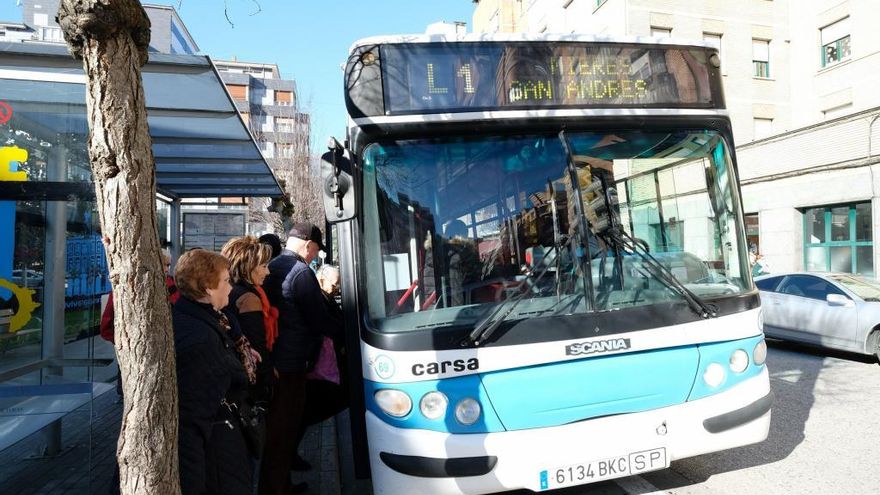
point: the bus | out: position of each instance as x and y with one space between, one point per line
545 276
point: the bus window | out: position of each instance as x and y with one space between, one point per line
461 224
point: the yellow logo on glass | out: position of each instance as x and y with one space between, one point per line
26 305
8 155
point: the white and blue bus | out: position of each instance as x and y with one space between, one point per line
545 273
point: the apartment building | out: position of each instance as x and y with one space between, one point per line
800 79
268 104
168 33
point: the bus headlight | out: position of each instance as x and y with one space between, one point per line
760 352
393 402
739 361
714 375
467 411
433 405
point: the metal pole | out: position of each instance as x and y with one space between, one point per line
174 218
54 280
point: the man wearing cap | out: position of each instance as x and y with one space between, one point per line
303 318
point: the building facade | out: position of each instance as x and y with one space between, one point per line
168 33
799 78
268 104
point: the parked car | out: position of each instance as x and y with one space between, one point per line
834 310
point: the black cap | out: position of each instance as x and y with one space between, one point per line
307 232
273 241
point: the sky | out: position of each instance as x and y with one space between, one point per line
308 39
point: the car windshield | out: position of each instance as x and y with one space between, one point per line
453 227
864 288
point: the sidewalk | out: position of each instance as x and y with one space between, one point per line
85 465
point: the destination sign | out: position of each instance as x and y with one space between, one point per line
449 77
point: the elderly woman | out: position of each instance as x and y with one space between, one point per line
210 376
248 258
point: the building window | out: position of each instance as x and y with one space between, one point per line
659 32
753 233
284 124
839 239
238 91
285 150
761 58
52 34
284 98
763 128
835 42
715 40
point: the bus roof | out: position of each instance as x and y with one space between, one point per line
520 37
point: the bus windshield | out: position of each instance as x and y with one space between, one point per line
457 226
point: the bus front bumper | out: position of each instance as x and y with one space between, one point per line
406 461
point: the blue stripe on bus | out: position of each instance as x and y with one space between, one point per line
560 393
571 391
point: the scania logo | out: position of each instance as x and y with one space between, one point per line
420 369
596 346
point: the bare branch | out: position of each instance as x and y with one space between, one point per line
259 9
226 13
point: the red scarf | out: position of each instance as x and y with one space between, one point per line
270 318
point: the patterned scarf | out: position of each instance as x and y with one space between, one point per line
243 349
270 318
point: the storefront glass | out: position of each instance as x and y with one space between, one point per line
839 239
52 274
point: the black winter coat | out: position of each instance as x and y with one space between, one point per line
213 456
303 318
253 327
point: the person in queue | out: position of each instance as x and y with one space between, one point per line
274 242
326 384
258 319
107 328
107 325
213 454
293 288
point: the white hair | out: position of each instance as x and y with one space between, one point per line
327 269
295 244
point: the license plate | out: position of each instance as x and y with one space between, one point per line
603 469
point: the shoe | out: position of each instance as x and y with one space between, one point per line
300 464
299 488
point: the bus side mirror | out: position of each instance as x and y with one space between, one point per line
337 183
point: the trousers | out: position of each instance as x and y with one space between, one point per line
283 424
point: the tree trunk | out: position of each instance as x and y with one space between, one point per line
111 37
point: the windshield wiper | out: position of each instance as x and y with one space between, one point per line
609 230
662 273
487 327
580 226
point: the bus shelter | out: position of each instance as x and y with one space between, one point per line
52 265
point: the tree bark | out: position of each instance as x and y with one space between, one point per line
111 37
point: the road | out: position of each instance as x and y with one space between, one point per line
824 437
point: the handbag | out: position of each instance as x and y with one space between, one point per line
325 367
251 419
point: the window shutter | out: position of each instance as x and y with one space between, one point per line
836 31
